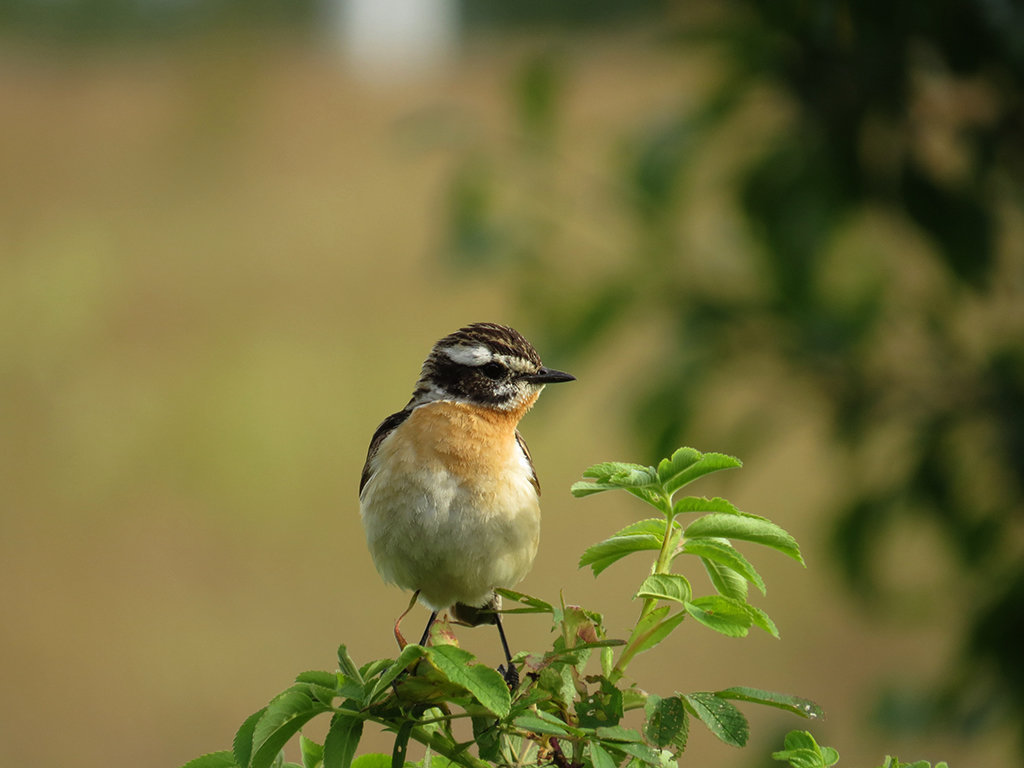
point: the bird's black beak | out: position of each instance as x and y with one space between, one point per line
549 376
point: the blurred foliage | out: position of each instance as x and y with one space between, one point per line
879 200
102 20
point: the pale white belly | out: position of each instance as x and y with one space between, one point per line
452 536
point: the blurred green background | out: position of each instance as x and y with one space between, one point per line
230 232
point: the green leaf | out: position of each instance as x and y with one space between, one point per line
487 738
242 745
601 555
802 751
655 526
681 460
705 465
689 504
795 704
666 719
744 528
762 620
342 740
619 733
534 605
318 677
643 753
600 709
285 715
401 748
655 627
372 760
611 475
722 552
622 474
599 757
347 666
312 752
534 724
726 581
665 586
484 683
721 614
225 759
722 718
409 654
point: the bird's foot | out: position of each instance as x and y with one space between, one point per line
511 675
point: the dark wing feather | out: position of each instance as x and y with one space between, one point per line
386 428
529 459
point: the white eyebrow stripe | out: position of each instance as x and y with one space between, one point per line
517 364
464 355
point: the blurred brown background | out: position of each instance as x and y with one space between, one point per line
220 268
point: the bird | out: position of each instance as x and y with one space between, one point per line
449 497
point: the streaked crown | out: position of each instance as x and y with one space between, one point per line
485 364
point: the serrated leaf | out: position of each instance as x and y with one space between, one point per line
744 528
487 738
622 474
311 751
318 677
603 554
721 614
654 526
722 718
224 759
659 630
342 740
485 684
242 744
600 709
726 581
762 620
665 586
708 463
533 604
599 757
722 552
802 751
347 666
534 724
665 720
689 504
409 654
795 704
619 733
643 753
285 715
611 475
372 760
801 758
681 460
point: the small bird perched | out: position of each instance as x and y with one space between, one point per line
448 495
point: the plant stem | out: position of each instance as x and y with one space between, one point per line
447 747
661 565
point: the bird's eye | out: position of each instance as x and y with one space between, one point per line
493 370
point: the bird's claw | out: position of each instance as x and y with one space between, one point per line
511 675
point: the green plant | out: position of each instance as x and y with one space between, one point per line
562 713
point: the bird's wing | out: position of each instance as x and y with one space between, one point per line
386 428
529 459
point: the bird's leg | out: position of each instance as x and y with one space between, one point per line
398 633
426 630
511 674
